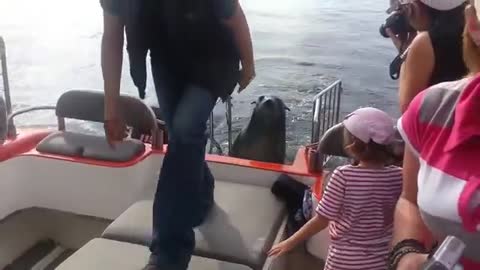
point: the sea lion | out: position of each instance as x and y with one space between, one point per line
263 139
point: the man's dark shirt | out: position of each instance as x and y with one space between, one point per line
224 9
212 63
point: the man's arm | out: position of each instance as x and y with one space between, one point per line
241 32
239 26
112 56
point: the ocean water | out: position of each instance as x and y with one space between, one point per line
301 46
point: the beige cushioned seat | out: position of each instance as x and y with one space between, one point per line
103 254
88 105
240 229
89 146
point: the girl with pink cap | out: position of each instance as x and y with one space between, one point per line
359 200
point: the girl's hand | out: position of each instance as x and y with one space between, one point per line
281 248
412 261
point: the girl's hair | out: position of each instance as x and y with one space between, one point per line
360 151
445 23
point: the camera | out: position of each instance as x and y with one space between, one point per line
397 22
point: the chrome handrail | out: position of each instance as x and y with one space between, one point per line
326 110
213 142
27 110
228 114
60 120
325 114
6 87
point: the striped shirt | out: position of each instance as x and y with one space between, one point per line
442 127
360 203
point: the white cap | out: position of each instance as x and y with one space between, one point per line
393 6
370 124
443 5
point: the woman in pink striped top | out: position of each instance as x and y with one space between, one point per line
359 200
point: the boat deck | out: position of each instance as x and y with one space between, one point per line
57 235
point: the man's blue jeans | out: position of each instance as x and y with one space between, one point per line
185 186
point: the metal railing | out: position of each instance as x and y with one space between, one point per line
326 110
326 114
6 87
214 144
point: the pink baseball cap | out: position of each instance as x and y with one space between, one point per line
371 124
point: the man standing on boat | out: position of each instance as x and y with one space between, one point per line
195 48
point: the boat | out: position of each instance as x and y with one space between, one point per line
69 202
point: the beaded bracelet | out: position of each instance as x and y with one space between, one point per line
403 248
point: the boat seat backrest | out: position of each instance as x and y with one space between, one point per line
89 106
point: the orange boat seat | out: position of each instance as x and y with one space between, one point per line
242 226
103 254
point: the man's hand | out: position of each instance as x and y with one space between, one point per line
115 131
247 75
112 55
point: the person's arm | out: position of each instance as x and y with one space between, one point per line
238 24
315 225
112 56
328 208
408 223
417 69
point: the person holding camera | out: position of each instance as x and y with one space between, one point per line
428 35
441 176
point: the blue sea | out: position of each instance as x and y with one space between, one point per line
301 46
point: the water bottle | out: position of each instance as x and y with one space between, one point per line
447 256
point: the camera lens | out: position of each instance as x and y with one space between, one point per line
397 23
383 31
